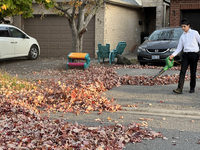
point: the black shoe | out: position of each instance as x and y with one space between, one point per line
192 90
178 91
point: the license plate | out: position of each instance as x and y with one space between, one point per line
155 57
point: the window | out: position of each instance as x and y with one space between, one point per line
16 33
4 32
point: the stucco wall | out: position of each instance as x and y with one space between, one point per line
151 3
100 28
17 21
122 24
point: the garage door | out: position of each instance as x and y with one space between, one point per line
193 16
54 35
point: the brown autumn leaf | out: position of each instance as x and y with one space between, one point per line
72 91
109 119
146 119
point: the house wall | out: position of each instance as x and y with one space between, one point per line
162 12
151 3
177 6
100 28
113 23
17 21
167 19
122 24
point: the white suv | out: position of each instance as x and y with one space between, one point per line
16 43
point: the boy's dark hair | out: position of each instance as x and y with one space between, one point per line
185 21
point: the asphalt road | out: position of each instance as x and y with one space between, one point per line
176 116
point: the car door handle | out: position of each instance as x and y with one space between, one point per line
12 42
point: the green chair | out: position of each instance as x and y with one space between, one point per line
119 50
103 52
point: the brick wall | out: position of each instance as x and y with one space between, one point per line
177 6
122 24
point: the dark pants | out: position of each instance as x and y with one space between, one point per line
191 59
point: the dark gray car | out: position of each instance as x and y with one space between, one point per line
159 45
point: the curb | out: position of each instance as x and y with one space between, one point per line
163 112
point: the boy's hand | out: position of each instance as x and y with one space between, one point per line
171 57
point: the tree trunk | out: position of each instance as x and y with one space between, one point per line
75 37
79 27
75 44
77 34
81 44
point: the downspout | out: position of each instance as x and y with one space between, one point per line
164 14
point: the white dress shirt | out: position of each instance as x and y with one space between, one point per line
188 42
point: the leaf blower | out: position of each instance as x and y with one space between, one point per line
169 64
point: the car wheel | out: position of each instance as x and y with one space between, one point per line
33 53
142 63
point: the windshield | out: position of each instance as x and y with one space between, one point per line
167 34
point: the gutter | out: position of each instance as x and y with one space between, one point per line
122 3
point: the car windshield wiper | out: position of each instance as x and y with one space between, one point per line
163 39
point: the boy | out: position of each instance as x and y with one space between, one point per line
188 42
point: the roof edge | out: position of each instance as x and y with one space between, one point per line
122 3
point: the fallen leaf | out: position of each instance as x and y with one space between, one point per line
97 119
146 119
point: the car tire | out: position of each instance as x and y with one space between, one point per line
33 53
142 63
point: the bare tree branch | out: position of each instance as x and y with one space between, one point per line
79 26
81 16
95 9
64 10
86 2
74 10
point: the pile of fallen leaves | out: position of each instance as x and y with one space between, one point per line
22 128
77 91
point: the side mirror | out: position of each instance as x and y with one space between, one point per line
24 36
145 38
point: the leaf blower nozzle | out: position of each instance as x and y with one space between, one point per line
169 64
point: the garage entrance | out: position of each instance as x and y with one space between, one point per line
54 35
193 16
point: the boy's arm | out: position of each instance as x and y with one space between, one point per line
178 49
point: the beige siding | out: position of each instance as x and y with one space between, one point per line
122 24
